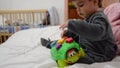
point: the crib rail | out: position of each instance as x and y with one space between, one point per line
12 21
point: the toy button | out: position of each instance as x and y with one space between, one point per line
53 43
58 46
61 41
69 40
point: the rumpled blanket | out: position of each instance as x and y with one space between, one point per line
113 14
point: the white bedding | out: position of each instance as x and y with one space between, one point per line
24 50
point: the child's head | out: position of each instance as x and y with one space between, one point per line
85 8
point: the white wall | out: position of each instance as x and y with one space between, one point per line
34 4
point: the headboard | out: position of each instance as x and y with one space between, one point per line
12 21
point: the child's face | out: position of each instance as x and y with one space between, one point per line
85 8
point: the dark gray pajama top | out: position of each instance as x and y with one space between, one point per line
95 36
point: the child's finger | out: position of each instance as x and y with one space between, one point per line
63 26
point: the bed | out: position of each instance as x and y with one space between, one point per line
12 21
24 50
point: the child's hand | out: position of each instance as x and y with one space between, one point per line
63 33
63 26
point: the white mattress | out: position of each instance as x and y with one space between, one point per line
24 50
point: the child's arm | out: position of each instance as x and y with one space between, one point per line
94 31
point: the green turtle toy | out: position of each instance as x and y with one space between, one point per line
66 51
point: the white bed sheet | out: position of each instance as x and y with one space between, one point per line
24 50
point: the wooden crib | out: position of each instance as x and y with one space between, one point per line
12 21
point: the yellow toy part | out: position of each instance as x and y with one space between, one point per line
61 41
62 64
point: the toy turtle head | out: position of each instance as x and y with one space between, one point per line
72 56
65 49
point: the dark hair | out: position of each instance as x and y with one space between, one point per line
99 3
